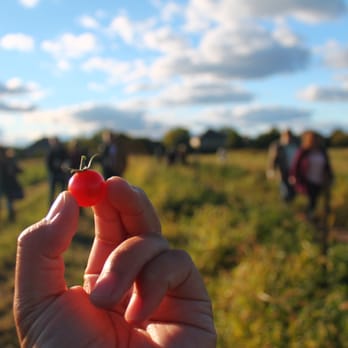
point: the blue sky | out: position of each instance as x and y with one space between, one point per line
71 68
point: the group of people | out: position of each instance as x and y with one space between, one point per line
61 159
173 155
304 167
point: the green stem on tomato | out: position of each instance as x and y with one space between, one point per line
82 164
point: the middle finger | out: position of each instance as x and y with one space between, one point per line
126 211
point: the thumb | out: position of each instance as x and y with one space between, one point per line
39 264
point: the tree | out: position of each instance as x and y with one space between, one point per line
338 138
176 136
233 139
265 139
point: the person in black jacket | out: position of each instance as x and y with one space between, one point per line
9 184
280 157
56 162
113 156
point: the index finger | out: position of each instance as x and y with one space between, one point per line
126 211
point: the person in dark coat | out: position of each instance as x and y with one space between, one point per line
75 153
311 172
10 187
57 163
280 157
113 156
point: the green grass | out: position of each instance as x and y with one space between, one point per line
262 263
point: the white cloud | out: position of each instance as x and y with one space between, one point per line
16 96
335 55
285 35
203 93
29 3
129 31
110 116
76 120
117 72
96 87
63 65
15 106
86 119
270 114
113 68
250 52
60 122
123 27
170 10
325 94
253 119
344 79
15 86
70 46
17 42
183 77
88 22
202 13
140 86
165 40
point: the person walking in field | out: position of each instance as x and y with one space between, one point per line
10 187
280 157
56 162
311 172
113 155
75 152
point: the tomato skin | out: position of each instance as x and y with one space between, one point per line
88 187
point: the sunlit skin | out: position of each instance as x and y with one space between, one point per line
137 292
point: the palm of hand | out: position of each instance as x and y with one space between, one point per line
71 320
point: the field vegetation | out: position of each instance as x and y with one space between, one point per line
271 282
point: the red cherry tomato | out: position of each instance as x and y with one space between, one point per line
88 187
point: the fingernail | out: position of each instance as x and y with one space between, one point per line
56 208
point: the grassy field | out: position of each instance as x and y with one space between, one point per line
270 282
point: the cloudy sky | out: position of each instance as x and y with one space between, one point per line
142 67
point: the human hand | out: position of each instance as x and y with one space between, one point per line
137 291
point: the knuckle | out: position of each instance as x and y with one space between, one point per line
32 234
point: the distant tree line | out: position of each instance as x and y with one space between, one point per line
232 139
228 138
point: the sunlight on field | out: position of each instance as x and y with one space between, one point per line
270 284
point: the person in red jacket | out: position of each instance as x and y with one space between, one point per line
311 172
